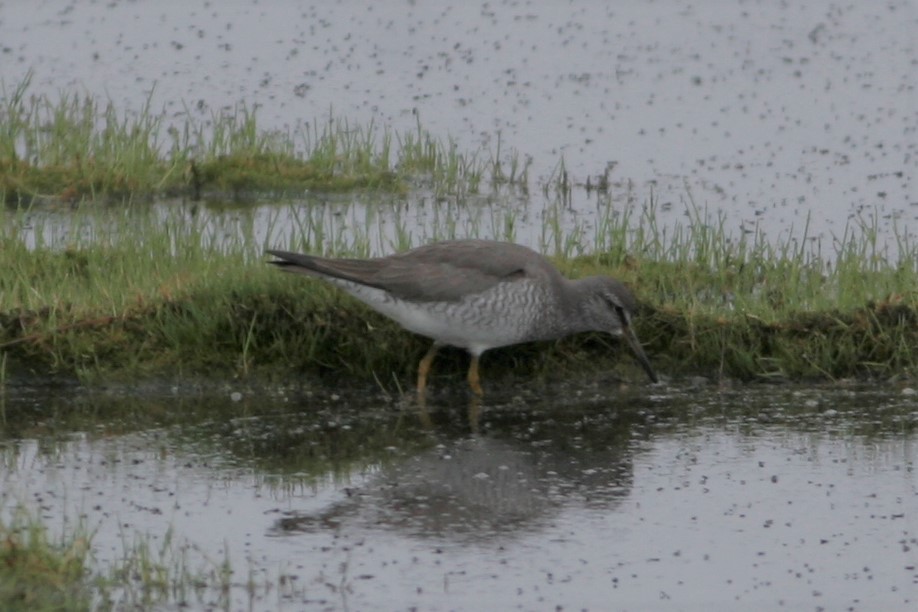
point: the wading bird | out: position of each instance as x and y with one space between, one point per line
477 295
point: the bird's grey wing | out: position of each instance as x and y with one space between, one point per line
438 272
438 282
450 271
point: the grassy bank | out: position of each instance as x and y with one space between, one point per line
151 295
141 290
74 148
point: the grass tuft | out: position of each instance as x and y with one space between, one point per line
37 573
77 148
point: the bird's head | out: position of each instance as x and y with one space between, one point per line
609 306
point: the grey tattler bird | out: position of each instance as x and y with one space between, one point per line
478 295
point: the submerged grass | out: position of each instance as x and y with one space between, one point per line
76 148
153 294
38 572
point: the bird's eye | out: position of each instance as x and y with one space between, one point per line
622 314
619 311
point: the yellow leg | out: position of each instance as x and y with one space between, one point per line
424 368
474 380
474 413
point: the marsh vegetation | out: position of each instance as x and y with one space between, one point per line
147 283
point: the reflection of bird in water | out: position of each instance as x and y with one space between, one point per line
474 488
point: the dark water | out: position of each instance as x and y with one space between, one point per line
675 497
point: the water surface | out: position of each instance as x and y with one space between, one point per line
763 497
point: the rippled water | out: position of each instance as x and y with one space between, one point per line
761 497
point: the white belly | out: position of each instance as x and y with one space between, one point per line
477 323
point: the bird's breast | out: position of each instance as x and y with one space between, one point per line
507 313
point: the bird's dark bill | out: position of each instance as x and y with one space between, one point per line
635 345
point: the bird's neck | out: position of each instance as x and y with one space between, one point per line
575 317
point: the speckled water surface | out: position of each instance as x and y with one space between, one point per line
688 498
769 113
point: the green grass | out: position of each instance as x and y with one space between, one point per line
44 573
38 573
152 295
76 148
140 290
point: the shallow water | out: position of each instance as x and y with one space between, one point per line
777 115
675 497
